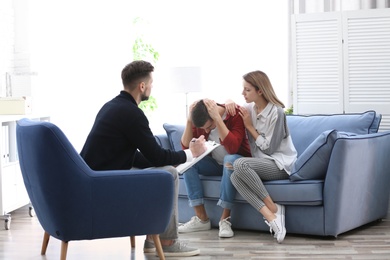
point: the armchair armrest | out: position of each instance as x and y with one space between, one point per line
356 185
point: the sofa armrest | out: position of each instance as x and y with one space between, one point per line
356 185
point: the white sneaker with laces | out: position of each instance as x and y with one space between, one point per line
277 226
225 228
195 224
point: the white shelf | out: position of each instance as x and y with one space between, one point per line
13 194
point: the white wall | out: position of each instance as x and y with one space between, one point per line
78 49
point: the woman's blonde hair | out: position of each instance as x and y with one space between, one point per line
260 81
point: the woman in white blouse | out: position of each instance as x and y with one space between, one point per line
273 152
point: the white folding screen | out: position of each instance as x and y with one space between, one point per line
367 62
341 62
317 63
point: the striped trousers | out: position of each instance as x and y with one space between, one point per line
249 174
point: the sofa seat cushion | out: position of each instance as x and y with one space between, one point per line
307 192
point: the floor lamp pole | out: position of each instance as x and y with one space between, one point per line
186 105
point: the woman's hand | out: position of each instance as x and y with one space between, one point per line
230 107
245 117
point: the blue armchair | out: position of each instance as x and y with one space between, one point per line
74 202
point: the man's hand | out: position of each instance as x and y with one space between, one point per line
212 108
198 146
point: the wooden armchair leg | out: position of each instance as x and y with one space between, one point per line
132 241
157 244
45 242
64 250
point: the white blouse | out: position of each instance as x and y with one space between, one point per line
274 141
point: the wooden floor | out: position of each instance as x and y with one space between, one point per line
23 241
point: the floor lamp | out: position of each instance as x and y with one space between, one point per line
186 80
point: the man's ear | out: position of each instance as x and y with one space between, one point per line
142 86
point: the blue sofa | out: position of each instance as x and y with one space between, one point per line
351 191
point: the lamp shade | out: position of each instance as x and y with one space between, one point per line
186 79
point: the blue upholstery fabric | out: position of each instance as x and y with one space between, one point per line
341 134
313 162
353 193
305 129
174 133
282 191
356 190
73 202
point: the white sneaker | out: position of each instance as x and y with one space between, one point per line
225 229
281 213
149 247
195 224
179 249
280 209
277 226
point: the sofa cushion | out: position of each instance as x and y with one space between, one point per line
174 133
313 162
308 192
305 129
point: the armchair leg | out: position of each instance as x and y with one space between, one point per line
45 242
132 241
157 244
64 250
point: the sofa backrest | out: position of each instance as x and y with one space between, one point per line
305 129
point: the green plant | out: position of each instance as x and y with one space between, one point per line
289 111
148 106
144 51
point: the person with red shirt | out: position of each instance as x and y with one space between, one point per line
211 120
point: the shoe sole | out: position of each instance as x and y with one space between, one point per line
280 240
182 254
149 250
225 236
193 230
